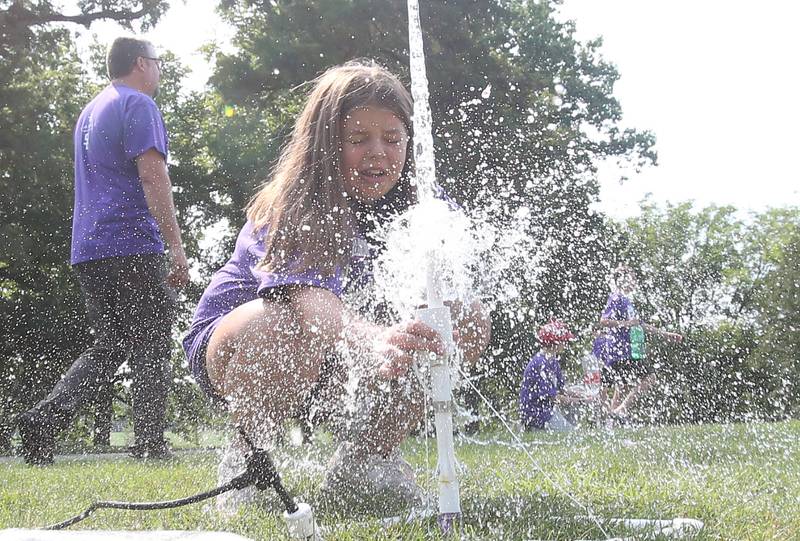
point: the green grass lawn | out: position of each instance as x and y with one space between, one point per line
743 481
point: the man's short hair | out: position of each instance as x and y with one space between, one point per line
122 55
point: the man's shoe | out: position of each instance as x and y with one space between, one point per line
38 440
153 450
383 485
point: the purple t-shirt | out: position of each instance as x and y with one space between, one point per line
617 342
111 217
240 281
542 381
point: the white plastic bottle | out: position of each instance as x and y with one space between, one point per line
591 374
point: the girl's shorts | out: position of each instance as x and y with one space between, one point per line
196 350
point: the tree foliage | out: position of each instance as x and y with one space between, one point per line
777 355
730 285
40 303
21 20
523 113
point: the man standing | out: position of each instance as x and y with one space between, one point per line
123 216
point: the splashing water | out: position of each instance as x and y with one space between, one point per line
423 138
474 256
484 255
462 258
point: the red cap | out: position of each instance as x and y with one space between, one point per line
554 333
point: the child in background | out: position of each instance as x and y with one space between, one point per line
543 401
284 315
627 370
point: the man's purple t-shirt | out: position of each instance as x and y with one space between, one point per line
617 344
111 217
542 381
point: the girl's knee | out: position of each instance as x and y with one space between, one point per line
318 316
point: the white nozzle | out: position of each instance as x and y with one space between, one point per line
441 392
433 286
301 525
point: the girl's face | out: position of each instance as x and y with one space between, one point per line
374 142
627 283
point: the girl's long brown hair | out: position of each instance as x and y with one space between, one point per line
303 208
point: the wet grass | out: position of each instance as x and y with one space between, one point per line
742 481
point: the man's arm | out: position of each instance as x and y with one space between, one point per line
158 193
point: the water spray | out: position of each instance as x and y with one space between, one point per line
435 314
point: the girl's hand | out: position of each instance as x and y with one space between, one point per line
398 344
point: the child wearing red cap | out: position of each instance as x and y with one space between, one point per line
542 390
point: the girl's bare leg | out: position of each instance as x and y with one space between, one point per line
265 355
616 399
396 408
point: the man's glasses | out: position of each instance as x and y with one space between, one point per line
159 62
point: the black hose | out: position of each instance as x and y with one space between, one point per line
264 475
260 471
236 483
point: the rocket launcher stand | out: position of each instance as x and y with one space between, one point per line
441 392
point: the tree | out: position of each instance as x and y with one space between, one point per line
21 20
721 280
767 236
40 302
777 356
684 258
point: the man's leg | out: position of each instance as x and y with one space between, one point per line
103 415
152 314
89 373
